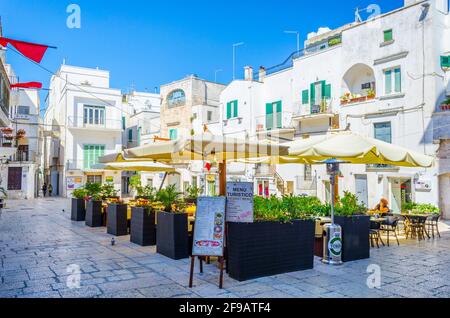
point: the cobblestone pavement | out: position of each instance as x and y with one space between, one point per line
38 242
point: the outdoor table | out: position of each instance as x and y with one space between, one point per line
411 218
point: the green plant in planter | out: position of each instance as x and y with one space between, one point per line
108 191
419 208
94 191
80 193
193 192
349 206
168 198
136 184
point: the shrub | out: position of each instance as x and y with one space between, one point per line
94 191
80 193
420 208
108 191
168 198
349 205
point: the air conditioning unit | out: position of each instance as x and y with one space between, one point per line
423 185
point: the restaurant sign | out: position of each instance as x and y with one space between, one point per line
74 183
209 229
240 202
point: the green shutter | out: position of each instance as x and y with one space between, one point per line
139 132
173 134
327 93
236 114
86 157
398 80
269 116
279 108
388 82
305 97
124 124
228 110
388 36
445 61
313 94
130 135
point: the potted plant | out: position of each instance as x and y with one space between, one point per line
172 237
143 226
3 196
94 206
78 212
109 192
446 105
351 216
6 130
345 99
117 221
192 193
371 94
281 239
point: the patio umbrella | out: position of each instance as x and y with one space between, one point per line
357 149
135 166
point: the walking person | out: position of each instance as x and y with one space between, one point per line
50 190
44 189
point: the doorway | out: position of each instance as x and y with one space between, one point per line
361 189
401 193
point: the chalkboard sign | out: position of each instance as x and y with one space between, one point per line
240 202
209 232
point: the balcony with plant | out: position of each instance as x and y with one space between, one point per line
445 105
358 85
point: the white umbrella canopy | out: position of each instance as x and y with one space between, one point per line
205 147
357 149
135 166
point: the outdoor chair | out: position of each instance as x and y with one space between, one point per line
390 226
432 223
374 234
416 227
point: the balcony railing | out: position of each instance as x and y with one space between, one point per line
97 124
274 121
354 99
25 156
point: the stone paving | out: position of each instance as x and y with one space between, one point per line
38 242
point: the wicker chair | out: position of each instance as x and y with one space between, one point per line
390 226
432 223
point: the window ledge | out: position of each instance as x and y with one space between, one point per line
392 96
387 43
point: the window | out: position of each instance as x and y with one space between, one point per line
318 92
91 155
393 81
15 178
232 109
173 134
130 135
274 115
94 115
150 183
308 173
194 181
209 116
23 110
383 132
176 98
388 35
95 179
305 97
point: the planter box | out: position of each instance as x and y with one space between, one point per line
172 235
143 228
78 210
94 213
355 237
117 220
269 248
445 107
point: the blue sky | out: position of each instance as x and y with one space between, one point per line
149 43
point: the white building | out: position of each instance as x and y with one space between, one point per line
83 122
391 66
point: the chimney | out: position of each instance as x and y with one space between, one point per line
262 73
248 73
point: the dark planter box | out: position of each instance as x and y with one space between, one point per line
269 248
143 228
78 210
172 235
117 220
94 213
2 203
355 237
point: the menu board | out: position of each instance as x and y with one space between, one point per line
240 202
74 183
209 229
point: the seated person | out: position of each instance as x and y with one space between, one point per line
382 208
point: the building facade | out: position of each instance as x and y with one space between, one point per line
84 121
381 78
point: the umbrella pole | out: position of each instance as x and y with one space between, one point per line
223 179
163 181
333 194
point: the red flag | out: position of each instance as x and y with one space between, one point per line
33 51
208 166
36 85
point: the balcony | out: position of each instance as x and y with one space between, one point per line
80 123
275 124
313 112
25 156
358 85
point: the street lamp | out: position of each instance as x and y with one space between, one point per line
215 74
234 58
298 38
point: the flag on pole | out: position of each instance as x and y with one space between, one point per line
36 85
32 51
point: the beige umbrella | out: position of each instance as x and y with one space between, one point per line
135 166
357 149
